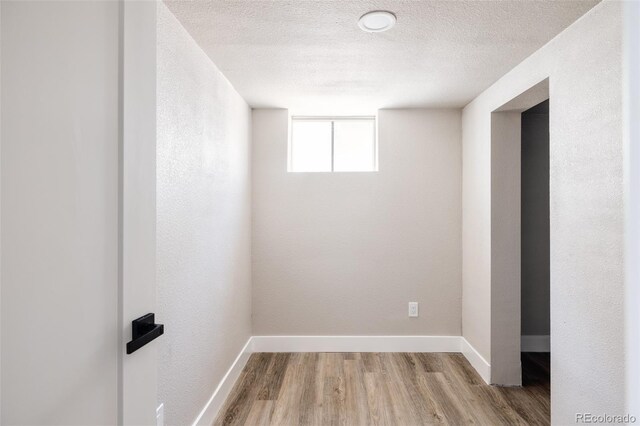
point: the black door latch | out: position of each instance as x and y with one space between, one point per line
143 330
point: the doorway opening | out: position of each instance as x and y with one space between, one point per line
535 245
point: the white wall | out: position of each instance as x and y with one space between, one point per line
586 211
59 212
203 222
343 253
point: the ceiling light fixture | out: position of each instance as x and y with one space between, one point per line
377 21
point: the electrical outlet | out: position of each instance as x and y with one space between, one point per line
413 309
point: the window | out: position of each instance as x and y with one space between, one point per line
321 144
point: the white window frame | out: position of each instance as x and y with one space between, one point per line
333 119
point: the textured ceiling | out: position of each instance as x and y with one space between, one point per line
310 56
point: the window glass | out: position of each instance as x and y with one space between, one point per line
310 146
354 145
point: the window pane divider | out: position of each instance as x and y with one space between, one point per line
332 144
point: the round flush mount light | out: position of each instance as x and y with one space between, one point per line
377 21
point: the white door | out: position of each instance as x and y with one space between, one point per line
77 144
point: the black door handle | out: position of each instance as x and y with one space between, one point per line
143 330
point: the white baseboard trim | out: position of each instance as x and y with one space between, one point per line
476 360
356 343
211 409
535 343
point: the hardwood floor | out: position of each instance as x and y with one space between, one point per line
382 389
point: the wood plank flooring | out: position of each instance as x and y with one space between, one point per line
290 389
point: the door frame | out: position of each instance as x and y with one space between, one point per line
137 372
632 203
506 234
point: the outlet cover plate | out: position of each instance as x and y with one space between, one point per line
413 309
